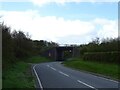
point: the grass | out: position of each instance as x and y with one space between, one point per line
106 69
38 59
19 75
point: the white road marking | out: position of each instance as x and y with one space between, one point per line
107 79
60 62
64 73
40 84
87 84
48 65
53 68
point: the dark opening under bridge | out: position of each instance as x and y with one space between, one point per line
60 53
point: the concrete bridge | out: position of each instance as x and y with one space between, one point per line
58 53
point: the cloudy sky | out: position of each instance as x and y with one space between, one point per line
62 21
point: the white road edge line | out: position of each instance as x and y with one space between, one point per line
37 77
87 84
64 73
107 79
53 68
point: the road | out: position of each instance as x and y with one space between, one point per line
55 75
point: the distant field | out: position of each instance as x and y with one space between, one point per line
106 69
20 76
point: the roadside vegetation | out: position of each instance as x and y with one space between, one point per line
105 50
17 45
20 74
38 59
103 69
98 56
18 53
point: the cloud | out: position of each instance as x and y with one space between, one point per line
43 2
58 29
15 0
108 28
75 39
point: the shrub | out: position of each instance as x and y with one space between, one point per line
110 57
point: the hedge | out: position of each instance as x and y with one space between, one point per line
110 57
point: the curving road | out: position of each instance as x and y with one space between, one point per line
55 75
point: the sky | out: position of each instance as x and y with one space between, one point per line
62 21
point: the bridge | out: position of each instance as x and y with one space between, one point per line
62 52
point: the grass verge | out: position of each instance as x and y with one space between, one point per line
38 59
110 70
19 75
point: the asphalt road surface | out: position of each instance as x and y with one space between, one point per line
55 75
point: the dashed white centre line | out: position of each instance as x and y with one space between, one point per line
53 68
69 76
58 71
64 73
48 65
87 84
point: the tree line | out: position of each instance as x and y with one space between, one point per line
106 50
17 45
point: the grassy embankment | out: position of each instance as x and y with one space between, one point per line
20 76
107 69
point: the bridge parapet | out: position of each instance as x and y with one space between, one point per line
57 52
66 45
